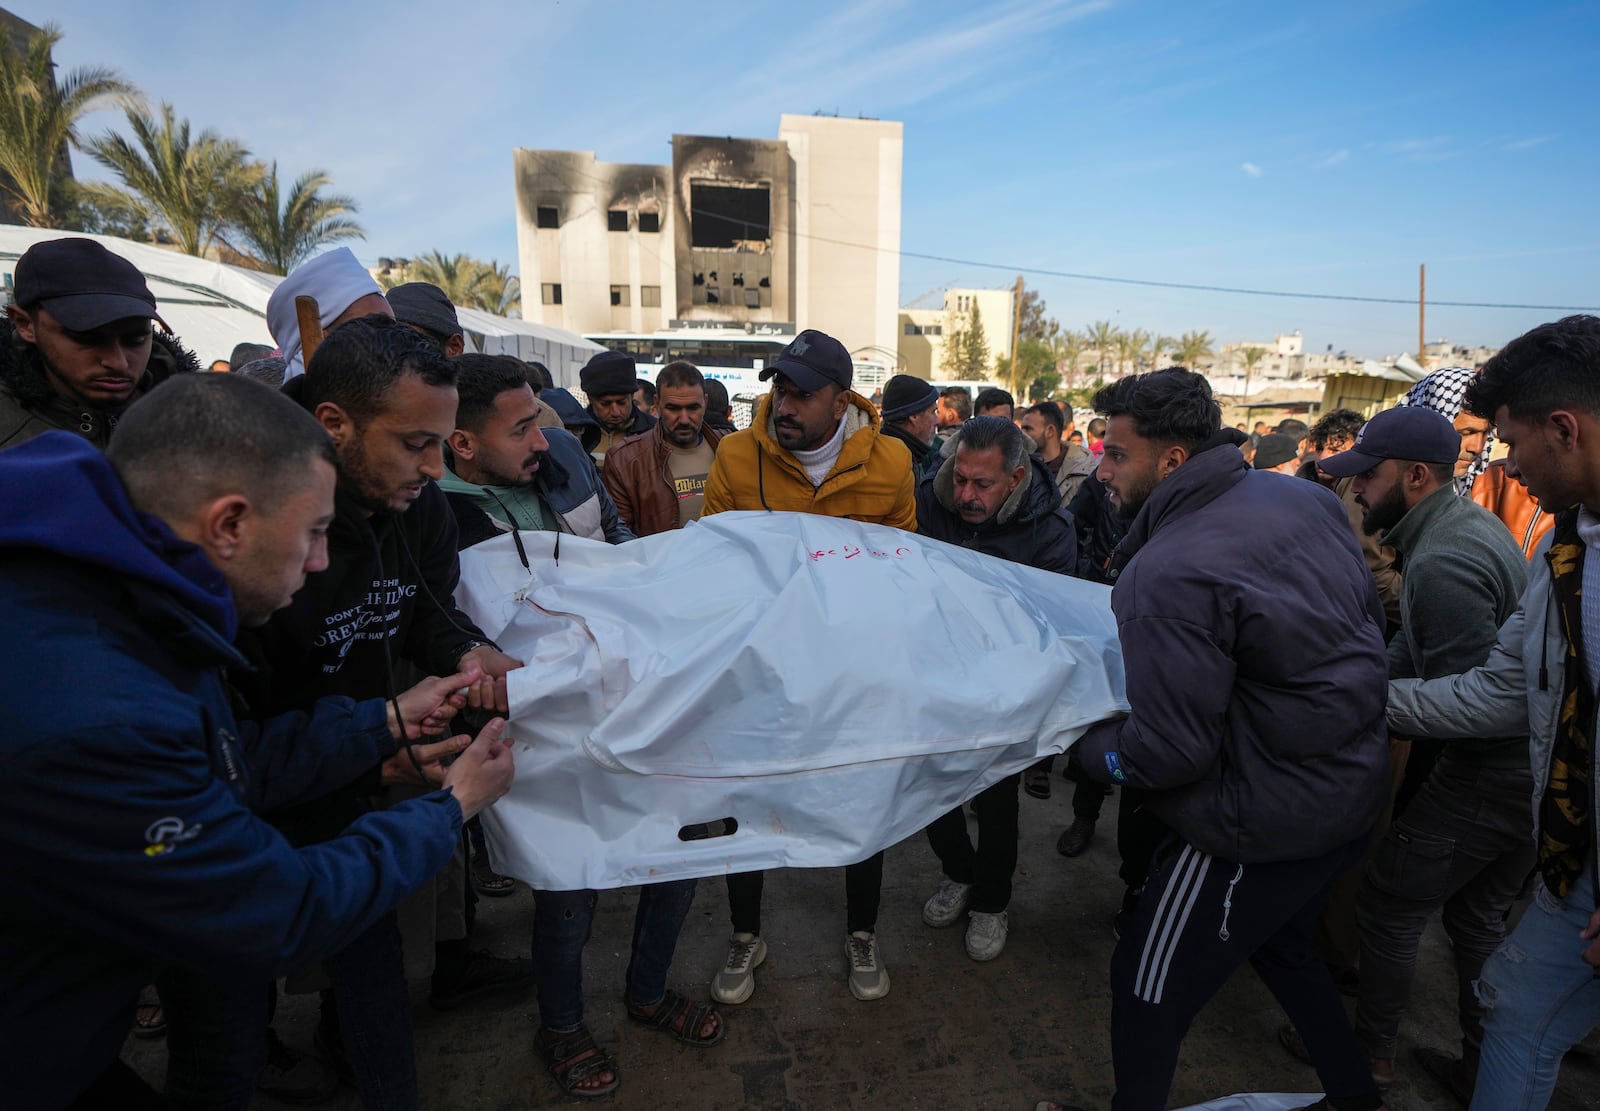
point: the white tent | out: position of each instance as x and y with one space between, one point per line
211 306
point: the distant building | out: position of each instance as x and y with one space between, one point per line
924 333
726 253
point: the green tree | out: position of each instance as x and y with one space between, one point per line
39 116
1251 356
1130 348
1192 348
82 209
501 289
285 231
1102 336
1034 360
1159 345
966 350
189 185
469 282
1034 323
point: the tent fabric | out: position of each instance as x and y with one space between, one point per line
212 306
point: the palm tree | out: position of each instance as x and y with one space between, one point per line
501 288
1159 345
39 117
1191 348
460 276
1251 356
1102 336
1130 348
283 233
190 184
1068 347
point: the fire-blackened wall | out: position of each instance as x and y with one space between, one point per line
732 264
594 242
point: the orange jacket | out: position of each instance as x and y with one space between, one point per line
1509 500
870 481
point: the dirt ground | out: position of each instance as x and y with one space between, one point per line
952 1033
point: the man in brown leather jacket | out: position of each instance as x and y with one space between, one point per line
658 478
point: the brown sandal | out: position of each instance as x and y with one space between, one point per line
573 1058
694 1015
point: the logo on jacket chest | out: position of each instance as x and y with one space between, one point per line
375 617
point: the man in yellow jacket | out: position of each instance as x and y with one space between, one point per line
812 447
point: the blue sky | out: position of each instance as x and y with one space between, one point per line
1326 148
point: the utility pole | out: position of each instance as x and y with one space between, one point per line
1422 314
1016 338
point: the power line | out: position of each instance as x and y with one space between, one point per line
1154 284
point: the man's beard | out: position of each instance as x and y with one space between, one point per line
1128 507
521 478
1386 514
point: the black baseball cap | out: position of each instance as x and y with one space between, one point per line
81 284
813 360
424 306
1410 432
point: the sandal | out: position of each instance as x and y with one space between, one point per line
149 1020
573 1058
486 881
682 1018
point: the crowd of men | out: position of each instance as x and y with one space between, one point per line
247 664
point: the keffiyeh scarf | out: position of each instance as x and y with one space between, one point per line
1443 391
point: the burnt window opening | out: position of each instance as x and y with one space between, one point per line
752 298
699 279
650 222
766 282
545 216
726 215
550 293
712 276
738 279
650 296
617 219
713 295
619 296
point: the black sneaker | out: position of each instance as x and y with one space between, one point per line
480 976
1076 837
294 1077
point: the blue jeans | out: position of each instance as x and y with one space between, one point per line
1540 999
561 921
374 1014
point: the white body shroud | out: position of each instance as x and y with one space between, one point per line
832 686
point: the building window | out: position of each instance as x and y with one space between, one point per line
752 298
934 330
649 221
723 216
617 219
550 293
912 329
650 296
545 216
619 296
713 295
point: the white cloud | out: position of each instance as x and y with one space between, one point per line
1529 143
1250 168
1332 159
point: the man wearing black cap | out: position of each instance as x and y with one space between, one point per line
76 347
910 416
813 446
610 379
1465 841
1278 453
429 312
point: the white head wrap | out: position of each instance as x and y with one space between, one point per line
336 279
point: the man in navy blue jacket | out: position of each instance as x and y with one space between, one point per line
130 839
1257 687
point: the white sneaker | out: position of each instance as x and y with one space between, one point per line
736 981
986 935
868 978
946 905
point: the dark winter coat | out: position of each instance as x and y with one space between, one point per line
129 839
29 405
1099 529
1256 669
1030 527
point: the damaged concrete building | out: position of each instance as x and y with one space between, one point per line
725 253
